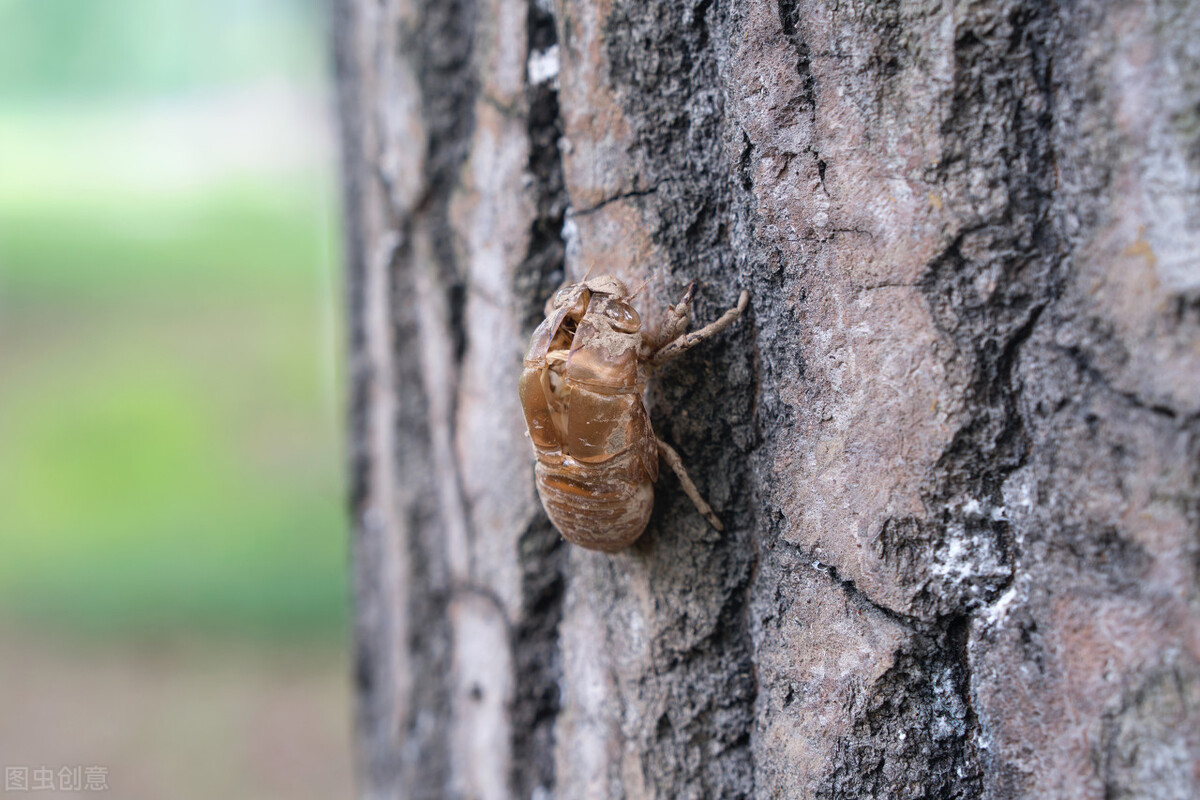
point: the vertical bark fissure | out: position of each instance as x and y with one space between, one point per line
541 271
420 592
664 73
789 17
441 52
1017 244
906 739
537 660
426 300
376 531
1014 243
918 719
542 553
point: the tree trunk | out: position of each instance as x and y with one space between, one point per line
955 440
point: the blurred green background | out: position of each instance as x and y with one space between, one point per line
170 406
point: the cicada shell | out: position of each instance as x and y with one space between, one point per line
581 389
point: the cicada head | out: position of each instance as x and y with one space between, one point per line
618 314
598 304
607 284
611 299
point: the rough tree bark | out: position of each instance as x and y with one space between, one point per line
955 441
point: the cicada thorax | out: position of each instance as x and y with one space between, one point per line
581 389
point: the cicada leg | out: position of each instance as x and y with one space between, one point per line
672 458
675 342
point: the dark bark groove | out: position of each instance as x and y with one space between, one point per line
542 552
673 102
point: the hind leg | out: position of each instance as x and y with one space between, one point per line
673 460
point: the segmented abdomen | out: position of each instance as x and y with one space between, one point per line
597 506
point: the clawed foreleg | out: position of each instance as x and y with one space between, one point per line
675 342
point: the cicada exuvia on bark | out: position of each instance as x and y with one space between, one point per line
582 391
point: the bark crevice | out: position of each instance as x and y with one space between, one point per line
543 268
665 77
541 551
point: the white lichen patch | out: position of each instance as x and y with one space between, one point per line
998 610
954 561
973 507
964 558
542 66
949 712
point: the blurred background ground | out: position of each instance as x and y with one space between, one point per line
172 546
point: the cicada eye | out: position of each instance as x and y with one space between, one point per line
624 317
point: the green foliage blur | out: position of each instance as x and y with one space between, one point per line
89 50
170 455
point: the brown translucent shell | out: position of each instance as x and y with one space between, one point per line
601 427
603 355
581 391
542 430
602 359
557 329
589 408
